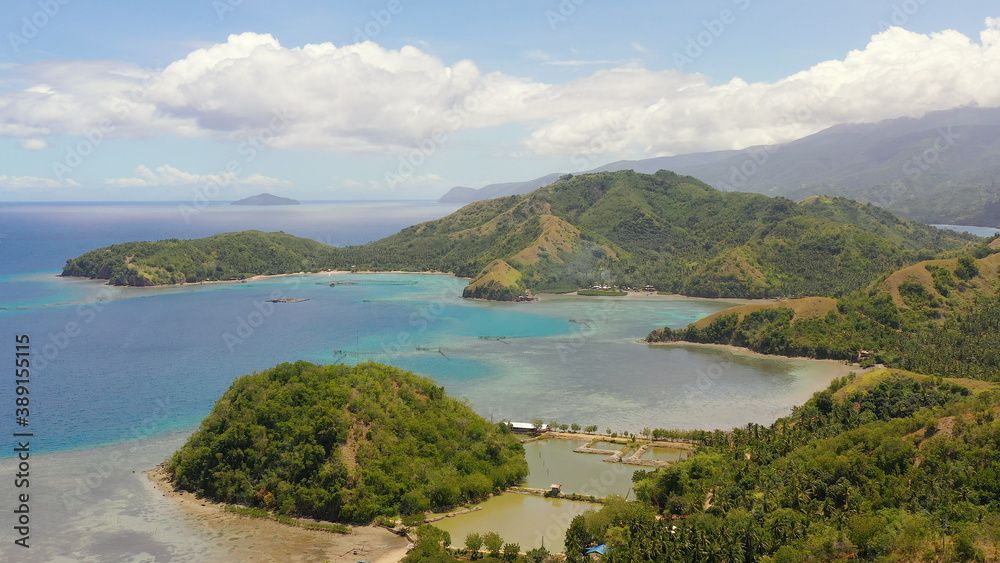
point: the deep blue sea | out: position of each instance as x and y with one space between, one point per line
115 364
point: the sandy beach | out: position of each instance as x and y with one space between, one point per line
254 539
840 368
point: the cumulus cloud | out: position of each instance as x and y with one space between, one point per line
365 98
33 182
167 175
899 73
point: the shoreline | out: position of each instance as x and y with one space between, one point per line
253 538
842 364
261 277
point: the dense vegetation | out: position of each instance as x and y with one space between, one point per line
673 232
220 257
626 229
892 467
345 443
940 317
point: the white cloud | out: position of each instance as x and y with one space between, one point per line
167 175
33 182
580 62
365 98
33 144
899 73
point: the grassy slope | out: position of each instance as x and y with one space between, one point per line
670 231
923 317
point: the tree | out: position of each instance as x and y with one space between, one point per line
574 427
511 551
493 542
578 538
537 423
591 429
473 542
966 269
537 555
564 427
431 544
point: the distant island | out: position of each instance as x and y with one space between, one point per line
265 199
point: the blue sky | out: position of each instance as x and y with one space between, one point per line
155 101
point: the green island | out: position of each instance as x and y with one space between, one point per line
345 444
664 231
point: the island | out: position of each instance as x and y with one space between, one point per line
265 199
662 231
345 444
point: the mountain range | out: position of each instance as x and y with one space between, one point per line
942 168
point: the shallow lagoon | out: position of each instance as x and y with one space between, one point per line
553 462
523 519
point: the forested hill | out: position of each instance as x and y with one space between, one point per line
673 232
219 257
619 228
935 317
891 466
345 443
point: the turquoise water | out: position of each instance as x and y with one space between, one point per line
112 364
122 375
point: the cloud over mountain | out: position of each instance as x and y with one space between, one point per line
366 98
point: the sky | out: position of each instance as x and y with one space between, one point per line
403 99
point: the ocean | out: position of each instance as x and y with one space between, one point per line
120 376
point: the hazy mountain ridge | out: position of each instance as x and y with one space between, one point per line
667 230
941 168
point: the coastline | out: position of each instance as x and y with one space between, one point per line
843 367
261 277
257 539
